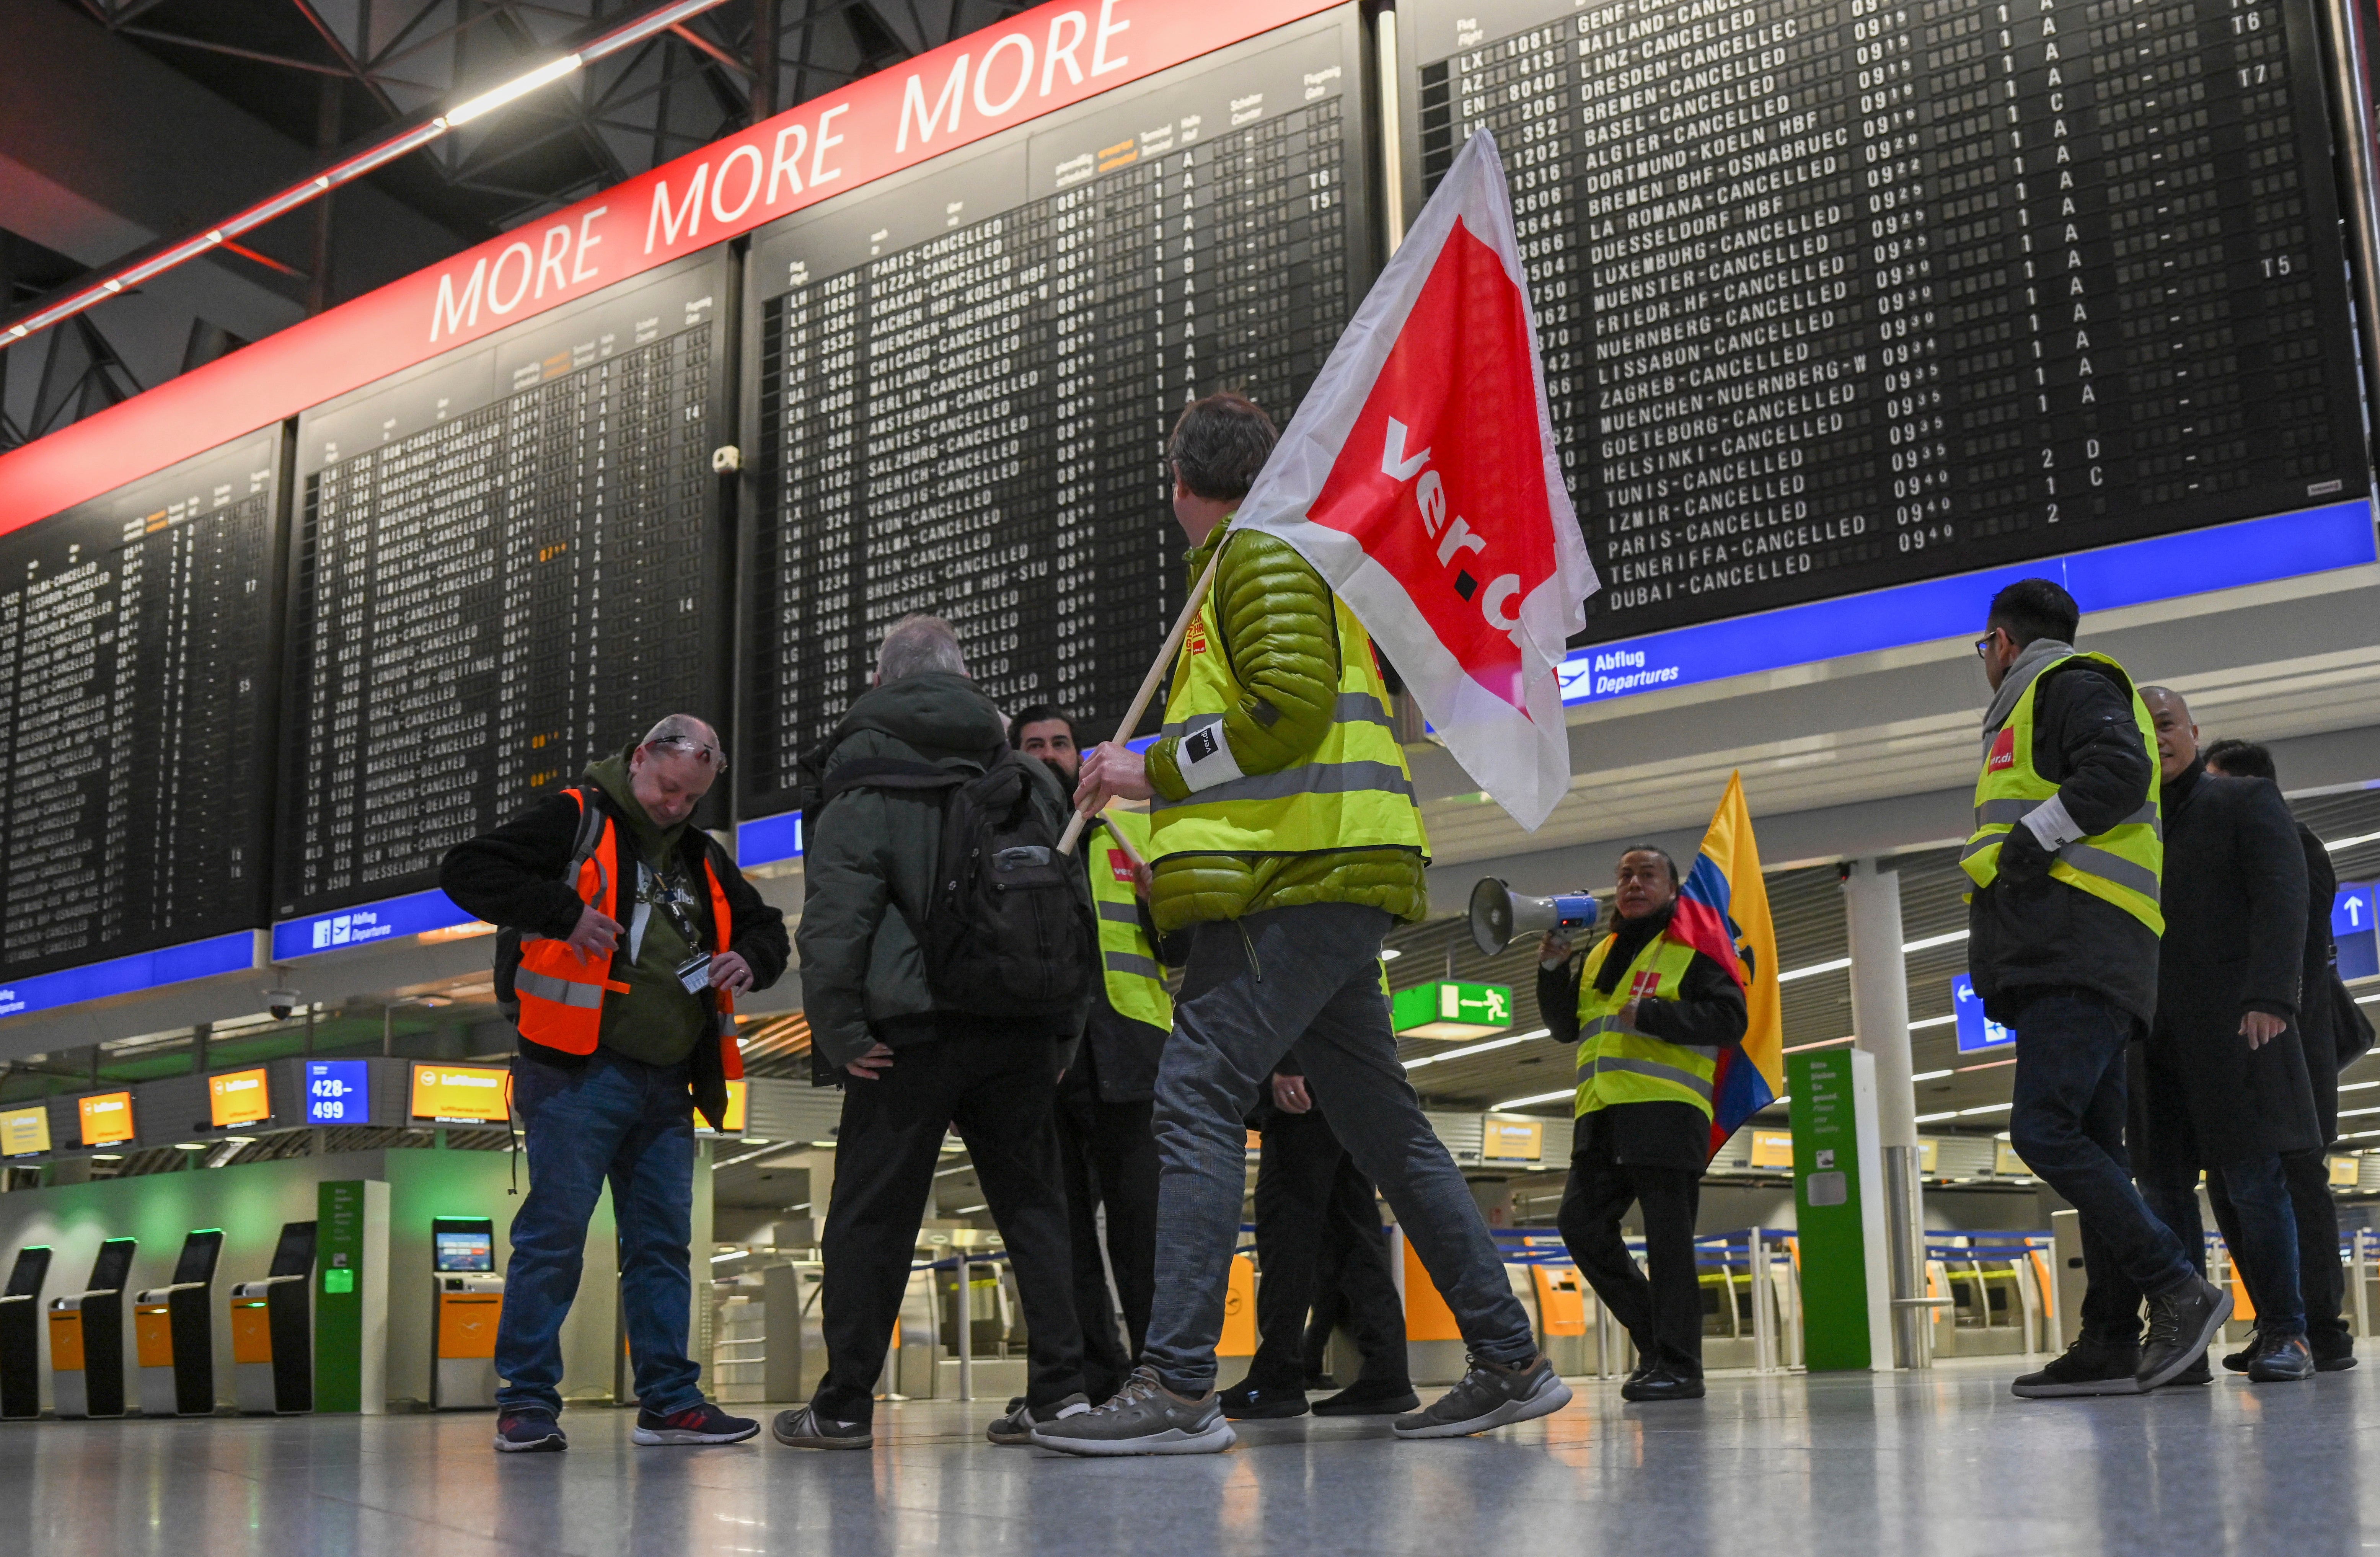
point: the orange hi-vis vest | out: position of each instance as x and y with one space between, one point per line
561 994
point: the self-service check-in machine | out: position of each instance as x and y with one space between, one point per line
469 1298
87 1337
20 1333
272 1330
174 1332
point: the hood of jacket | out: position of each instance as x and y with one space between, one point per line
2031 661
937 715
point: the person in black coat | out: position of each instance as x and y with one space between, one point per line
2225 1084
2321 1284
1651 1153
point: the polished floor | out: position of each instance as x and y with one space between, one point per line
1944 1461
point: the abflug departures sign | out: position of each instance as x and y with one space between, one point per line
960 378
136 712
506 561
1840 296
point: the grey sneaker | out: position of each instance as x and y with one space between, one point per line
1017 1426
1489 1396
1144 1417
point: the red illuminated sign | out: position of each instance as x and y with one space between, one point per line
1048 59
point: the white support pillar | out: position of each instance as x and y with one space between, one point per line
1880 1018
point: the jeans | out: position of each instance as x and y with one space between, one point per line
1111 1164
1307 976
2322 1285
633 1124
1662 1315
2068 1123
996 1092
2262 1233
1311 1203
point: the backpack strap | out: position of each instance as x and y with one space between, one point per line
590 833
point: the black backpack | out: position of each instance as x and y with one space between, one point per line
1008 931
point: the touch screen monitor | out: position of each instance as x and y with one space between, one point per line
462 1245
106 1118
462 1094
239 1097
24 1132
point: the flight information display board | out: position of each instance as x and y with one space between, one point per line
505 563
1838 295
962 377
136 712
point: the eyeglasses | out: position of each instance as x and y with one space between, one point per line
1984 644
696 750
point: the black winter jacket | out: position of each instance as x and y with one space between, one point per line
512 877
2031 936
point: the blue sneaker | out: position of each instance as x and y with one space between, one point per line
529 1432
699 1423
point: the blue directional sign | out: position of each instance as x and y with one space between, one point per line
2352 931
338 1091
1976 1031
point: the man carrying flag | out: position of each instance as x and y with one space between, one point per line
1672 1057
1282 816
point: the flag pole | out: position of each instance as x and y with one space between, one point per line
1148 685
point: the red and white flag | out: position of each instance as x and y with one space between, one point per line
1419 477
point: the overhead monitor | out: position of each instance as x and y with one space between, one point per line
338 1091
1832 300
25 1132
445 1094
137 695
959 377
106 1118
239 1097
462 1244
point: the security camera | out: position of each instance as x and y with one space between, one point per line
281 1002
726 459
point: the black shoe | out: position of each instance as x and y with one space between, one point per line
1016 1426
699 1423
529 1432
1489 1395
2196 1373
2333 1351
803 1428
2239 1361
1360 1399
1254 1403
1660 1381
2181 1324
2286 1359
2087 1367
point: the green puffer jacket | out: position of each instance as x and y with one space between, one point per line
1275 612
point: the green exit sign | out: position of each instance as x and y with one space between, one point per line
1447 1009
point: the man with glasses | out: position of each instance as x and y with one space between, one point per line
2067 858
627 935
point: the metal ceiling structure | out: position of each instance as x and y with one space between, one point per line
332 76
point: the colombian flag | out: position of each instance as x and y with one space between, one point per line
1723 911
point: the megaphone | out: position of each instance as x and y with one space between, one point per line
1501 915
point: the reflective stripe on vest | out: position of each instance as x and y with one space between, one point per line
2123 865
1355 792
1619 1065
1134 983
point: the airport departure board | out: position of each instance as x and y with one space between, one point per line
137 700
505 562
1838 295
962 378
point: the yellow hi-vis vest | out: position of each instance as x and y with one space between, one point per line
1135 984
1619 1065
1353 793
2123 865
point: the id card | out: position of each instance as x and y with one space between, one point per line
694 973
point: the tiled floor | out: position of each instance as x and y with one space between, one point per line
1940 1461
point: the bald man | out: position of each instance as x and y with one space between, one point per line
2224 1086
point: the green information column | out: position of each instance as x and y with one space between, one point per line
1839 1210
351 1296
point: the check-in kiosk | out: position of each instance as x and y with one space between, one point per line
174 1332
87 1337
20 1333
272 1333
469 1298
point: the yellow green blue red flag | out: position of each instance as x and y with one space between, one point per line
1723 911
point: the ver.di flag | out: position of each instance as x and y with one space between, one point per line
1420 479
1723 912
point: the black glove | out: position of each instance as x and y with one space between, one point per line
2023 859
